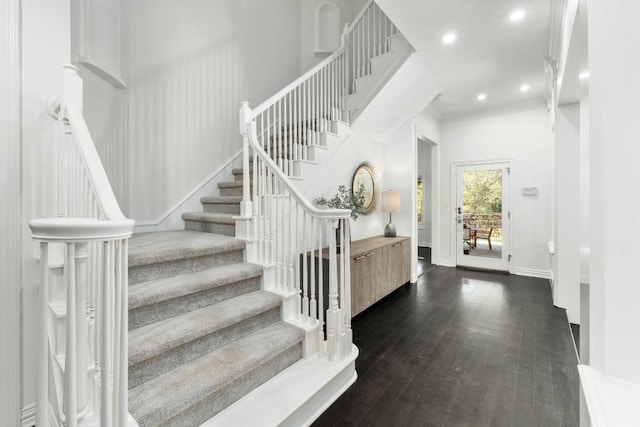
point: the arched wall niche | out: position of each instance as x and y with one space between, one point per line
327 28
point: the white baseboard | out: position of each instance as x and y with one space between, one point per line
530 272
446 263
28 415
172 219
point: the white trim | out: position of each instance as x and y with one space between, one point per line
508 249
11 210
611 401
173 217
102 71
28 417
295 397
531 272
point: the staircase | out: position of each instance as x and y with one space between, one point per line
243 317
202 332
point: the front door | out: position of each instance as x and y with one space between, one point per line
482 215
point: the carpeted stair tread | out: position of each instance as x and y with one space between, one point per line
156 338
164 397
231 184
238 171
221 199
160 290
213 217
158 247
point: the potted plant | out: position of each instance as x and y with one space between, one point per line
345 199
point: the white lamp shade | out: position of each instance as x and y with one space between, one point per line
391 201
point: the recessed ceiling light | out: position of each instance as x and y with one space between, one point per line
482 97
516 15
584 75
449 38
525 88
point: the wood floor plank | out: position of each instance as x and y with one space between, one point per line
461 348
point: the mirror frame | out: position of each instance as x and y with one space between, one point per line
368 167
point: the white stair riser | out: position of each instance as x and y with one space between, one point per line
211 227
228 208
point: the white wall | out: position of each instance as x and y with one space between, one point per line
189 70
45 49
522 133
400 175
566 210
614 89
11 214
339 170
394 159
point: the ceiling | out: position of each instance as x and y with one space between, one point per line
491 54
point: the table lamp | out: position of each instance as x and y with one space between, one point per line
390 203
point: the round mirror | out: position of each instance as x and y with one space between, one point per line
365 178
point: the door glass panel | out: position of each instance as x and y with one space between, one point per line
482 213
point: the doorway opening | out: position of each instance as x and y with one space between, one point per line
426 203
482 215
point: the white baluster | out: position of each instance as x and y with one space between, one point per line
301 254
313 313
346 305
123 406
81 329
245 205
117 320
42 393
106 397
305 269
70 365
321 290
333 312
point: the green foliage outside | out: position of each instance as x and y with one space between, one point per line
483 192
482 204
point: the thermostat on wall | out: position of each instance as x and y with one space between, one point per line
529 191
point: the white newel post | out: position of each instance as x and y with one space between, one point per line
346 296
333 311
246 209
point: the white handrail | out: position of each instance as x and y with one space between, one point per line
97 175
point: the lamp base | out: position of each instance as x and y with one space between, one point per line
390 230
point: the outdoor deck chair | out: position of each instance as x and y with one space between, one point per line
483 234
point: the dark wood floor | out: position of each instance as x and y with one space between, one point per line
462 348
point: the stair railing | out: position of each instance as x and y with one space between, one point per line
297 243
82 343
296 117
289 234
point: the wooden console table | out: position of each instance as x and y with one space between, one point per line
379 266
